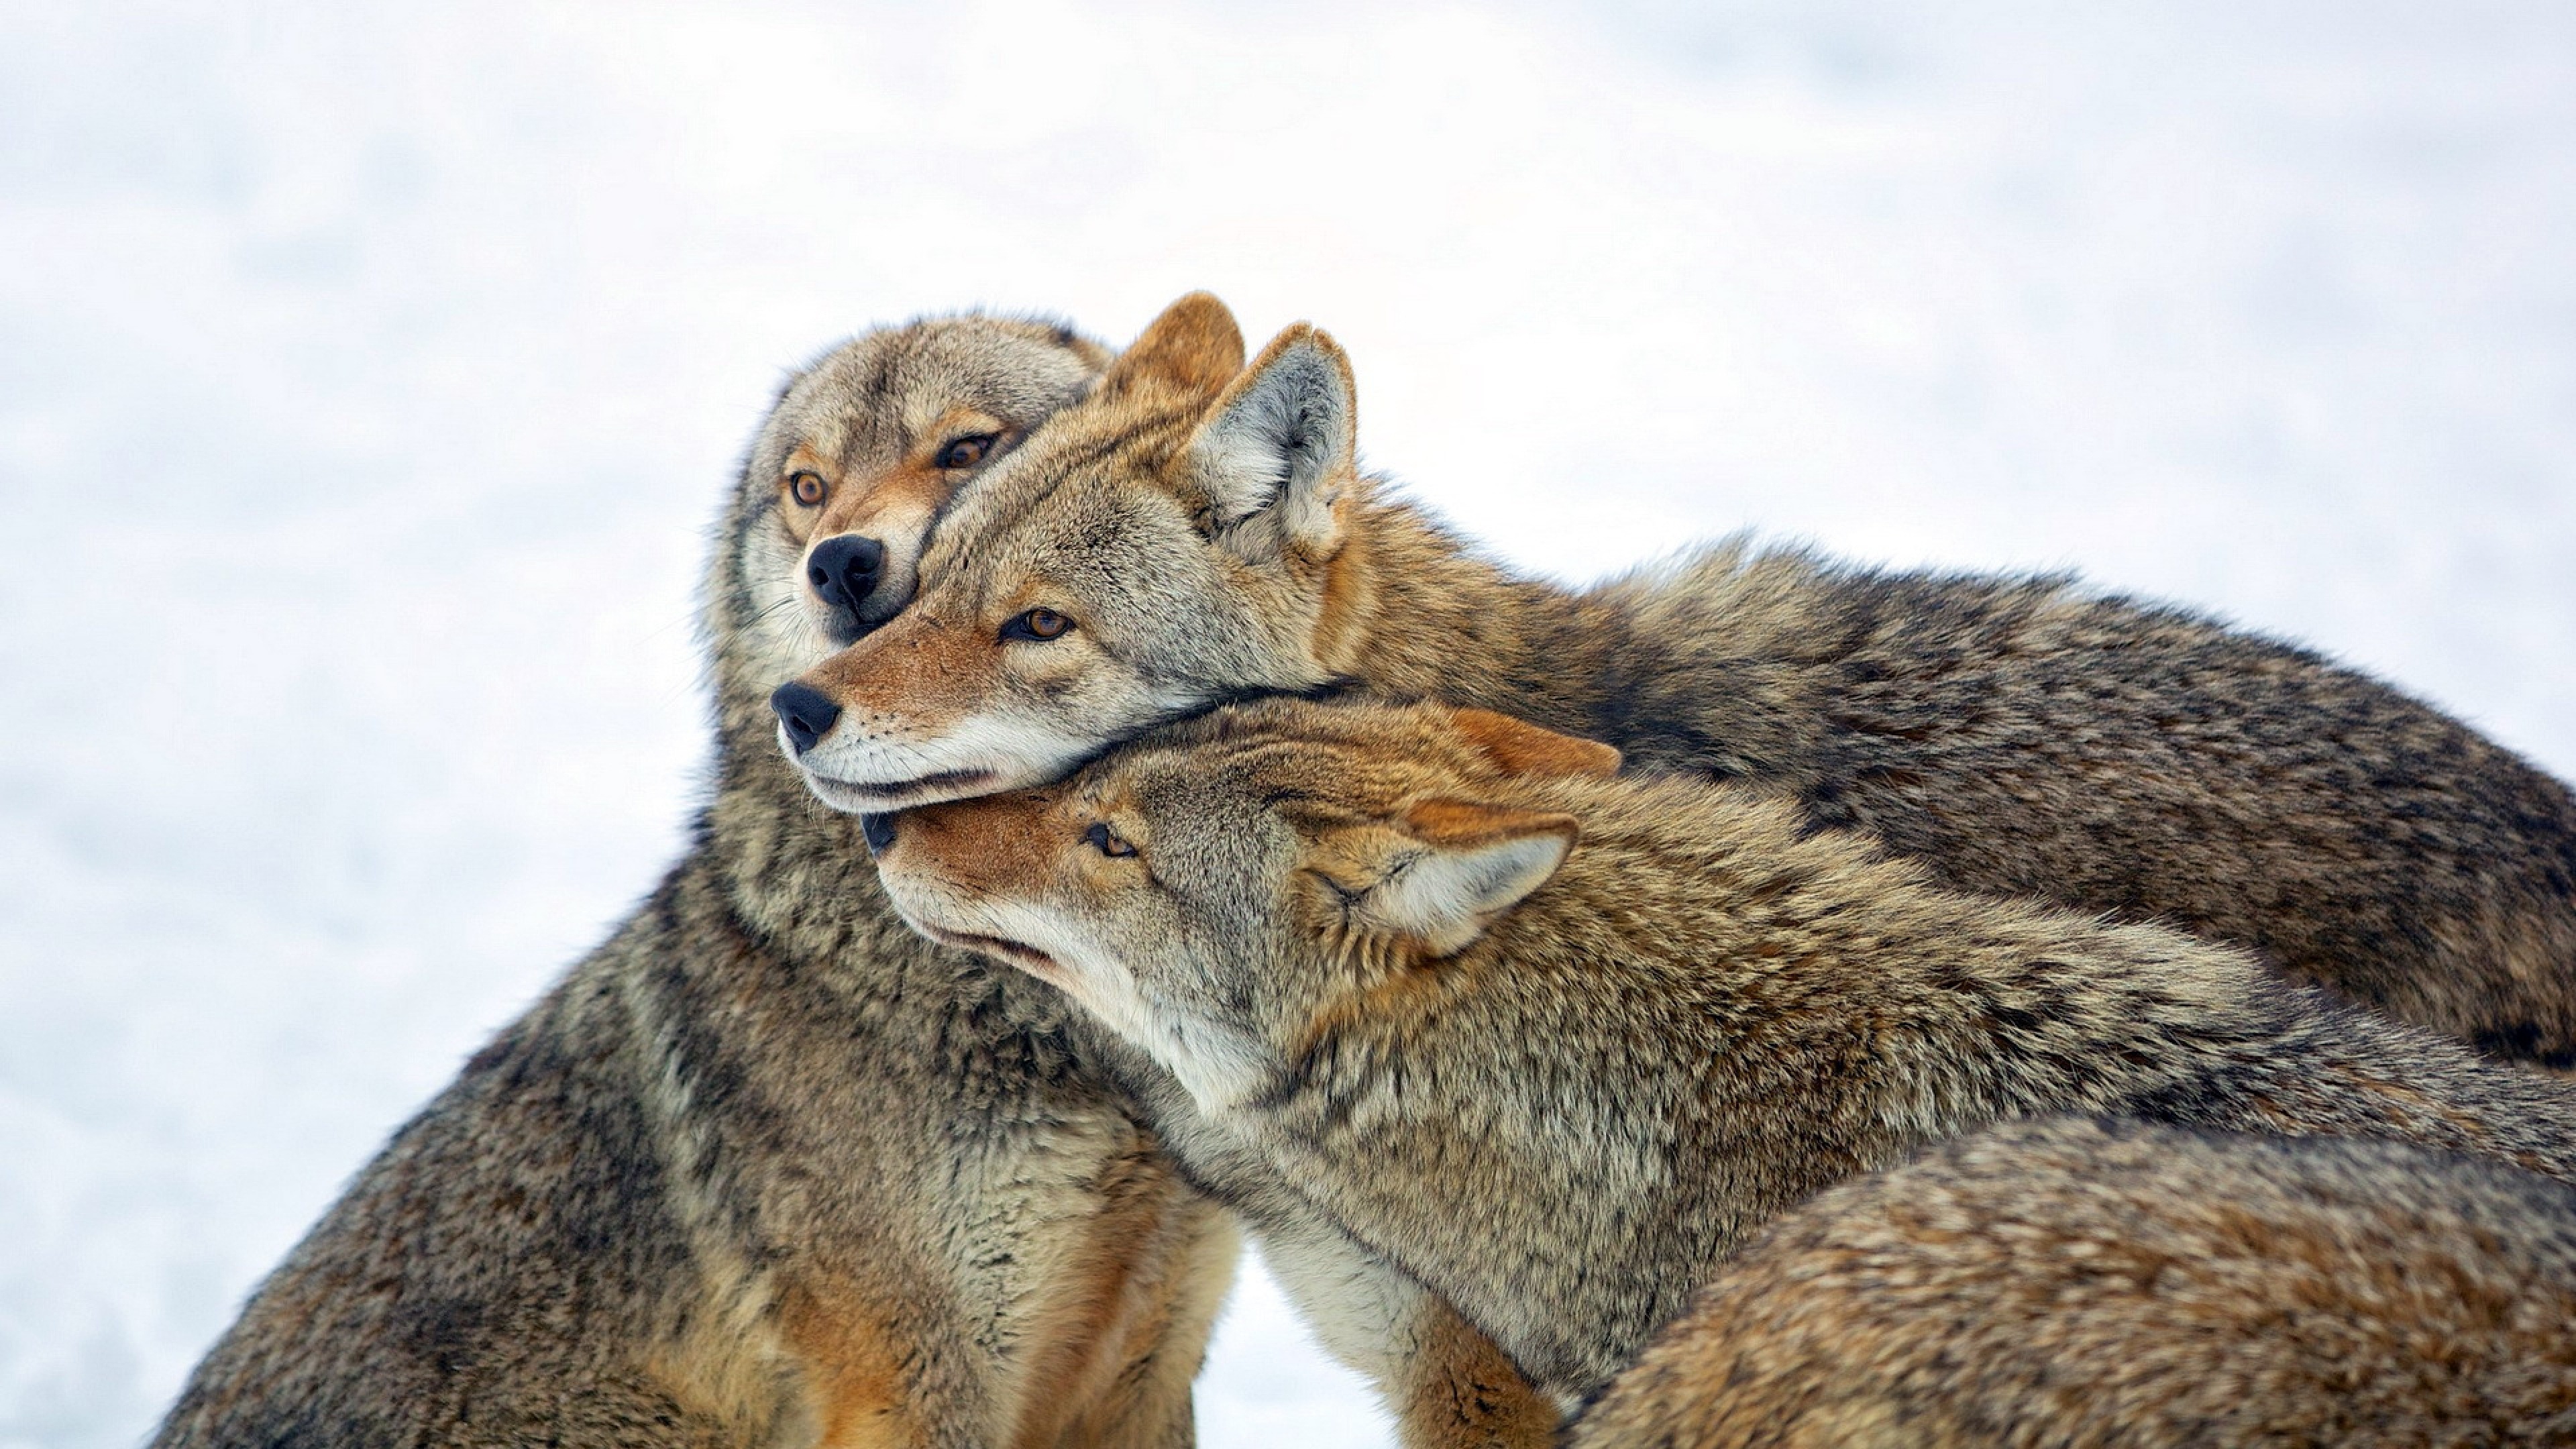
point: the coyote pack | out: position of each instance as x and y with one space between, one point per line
770 1169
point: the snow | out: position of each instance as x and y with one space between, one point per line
369 376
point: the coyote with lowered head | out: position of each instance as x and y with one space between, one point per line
2113 1283
1195 530
767 1169
1558 1083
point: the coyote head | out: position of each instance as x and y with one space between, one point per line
862 451
1166 543
1216 891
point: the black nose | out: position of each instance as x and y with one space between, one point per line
879 829
843 570
807 713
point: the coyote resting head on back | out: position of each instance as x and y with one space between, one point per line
1560 1082
1195 531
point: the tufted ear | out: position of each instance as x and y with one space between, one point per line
1456 865
1277 450
1518 747
1194 347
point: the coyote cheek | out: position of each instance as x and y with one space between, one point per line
911 682
783 636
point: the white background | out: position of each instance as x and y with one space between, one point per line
369 376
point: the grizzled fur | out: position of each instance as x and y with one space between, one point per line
1202 532
766 1168
2110 1284
1559 1083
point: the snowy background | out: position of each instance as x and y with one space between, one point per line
369 375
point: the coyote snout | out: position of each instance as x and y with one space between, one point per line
843 571
805 715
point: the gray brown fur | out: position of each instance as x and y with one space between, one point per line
766 1168
1561 1112
1206 530
2110 1285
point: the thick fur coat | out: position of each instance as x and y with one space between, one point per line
2113 1285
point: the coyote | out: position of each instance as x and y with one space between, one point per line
2111 1283
767 1168
1559 1084
1196 531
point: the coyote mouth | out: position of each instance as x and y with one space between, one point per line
857 799
1019 953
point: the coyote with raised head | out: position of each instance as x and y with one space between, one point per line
767 1168
2101 1283
1195 530
1556 1041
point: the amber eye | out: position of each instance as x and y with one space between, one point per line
1101 838
1038 624
966 452
809 487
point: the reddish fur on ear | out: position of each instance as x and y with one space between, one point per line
1464 824
1521 748
1194 346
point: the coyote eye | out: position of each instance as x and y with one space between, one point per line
966 452
809 487
1038 624
1101 838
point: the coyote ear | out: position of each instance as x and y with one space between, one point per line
1193 347
1275 452
1467 864
1518 747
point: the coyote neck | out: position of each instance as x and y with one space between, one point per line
1412 611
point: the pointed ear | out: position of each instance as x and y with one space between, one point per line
1193 348
1518 747
1276 451
1469 864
